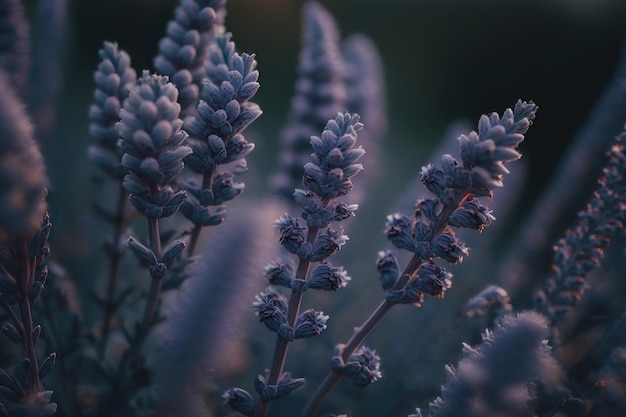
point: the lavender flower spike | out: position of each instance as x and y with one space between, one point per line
429 233
152 140
496 377
114 78
582 248
23 179
225 109
320 94
329 174
485 152
185 48
24 230
216 132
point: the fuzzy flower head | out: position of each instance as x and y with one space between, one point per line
310 323
328 277
225 109
185 48
114 78
334 156
152 140
23 179
320 93
271 309
484 152
582 248
496 377
433 280
363 367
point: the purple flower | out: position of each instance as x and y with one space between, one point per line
271 309
363 367
279 273
328 277
292 236
433 280
328 244
448 247
310 323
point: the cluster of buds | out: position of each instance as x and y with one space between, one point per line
216 138
184 49
456 187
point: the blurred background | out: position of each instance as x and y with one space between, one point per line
444 61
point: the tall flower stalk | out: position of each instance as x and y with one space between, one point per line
153 142
428 234
184 49
114 77
24 230
152 139
582 248
326 178
320 93
216 134
496 377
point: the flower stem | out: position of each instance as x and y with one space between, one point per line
207 181
115 258
155 285
361 333
280 351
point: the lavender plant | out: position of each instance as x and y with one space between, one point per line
498 377
582 248
219 292
169 343
25 228
185 47
326 178
224 112
114 79
428 234
320 94
152 139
